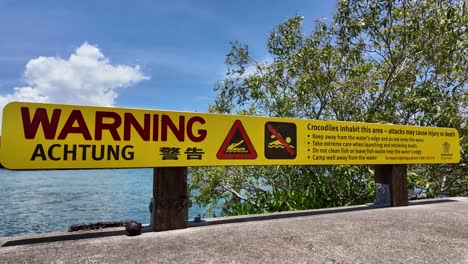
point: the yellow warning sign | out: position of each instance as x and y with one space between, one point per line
51 136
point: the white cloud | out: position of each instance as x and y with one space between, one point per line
87 77
252 69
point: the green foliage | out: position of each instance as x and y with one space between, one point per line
246 190
401 62
443 180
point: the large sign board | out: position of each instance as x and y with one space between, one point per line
51 136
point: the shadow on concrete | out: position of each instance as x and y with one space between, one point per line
67 237
430 201
281 215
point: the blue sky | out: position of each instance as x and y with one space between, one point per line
179 47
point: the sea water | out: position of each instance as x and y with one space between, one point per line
46 201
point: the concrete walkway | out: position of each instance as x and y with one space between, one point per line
431 231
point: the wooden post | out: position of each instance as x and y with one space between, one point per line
383 174
170 196
399 185
395 176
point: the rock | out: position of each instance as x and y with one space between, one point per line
133 228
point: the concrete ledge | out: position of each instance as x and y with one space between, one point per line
289 214
428 231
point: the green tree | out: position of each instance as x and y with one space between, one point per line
400 62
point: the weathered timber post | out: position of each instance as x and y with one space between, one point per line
170 197
399 185
391 185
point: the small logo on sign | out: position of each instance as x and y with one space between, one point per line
280 140
445 148
446 154
237 144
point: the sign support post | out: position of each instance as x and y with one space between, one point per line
399 185
395 177
170 197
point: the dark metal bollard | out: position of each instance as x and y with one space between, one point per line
133 228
